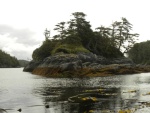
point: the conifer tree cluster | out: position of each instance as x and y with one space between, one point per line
77 36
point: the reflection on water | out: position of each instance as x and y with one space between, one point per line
20 91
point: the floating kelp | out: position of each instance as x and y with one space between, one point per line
90 97
131 91
83 98
96 90
146 94
147 104
126 111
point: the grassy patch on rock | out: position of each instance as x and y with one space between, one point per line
68 49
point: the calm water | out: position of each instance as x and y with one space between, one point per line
36 94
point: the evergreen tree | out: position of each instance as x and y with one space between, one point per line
81 28
121 35
47 34
60 27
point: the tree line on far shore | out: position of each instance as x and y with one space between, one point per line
7 61
140 53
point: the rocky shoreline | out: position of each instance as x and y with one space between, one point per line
83 65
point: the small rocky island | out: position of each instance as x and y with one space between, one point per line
78 51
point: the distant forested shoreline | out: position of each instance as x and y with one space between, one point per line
7 61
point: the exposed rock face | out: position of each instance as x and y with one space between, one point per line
77 61
82 64
31 66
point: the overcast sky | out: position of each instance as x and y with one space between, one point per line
22 22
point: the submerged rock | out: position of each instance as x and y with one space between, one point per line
19 110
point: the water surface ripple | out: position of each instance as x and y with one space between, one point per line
23 92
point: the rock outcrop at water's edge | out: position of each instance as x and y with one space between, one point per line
83 65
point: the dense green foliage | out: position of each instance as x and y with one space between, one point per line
7 61
76 36
140 53
44 50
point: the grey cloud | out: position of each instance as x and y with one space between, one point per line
22 55
24 36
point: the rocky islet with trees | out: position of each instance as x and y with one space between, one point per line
77 50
